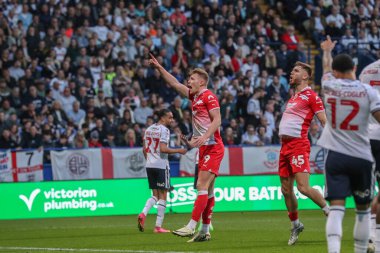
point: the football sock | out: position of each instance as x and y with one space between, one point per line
293 216
334 228
192 224
199 206
161 206
205 228
207 213
377 239
148 205
372 234
361 230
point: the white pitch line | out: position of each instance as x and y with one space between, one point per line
88 250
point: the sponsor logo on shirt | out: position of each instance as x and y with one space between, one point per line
211 97
304 97
199 102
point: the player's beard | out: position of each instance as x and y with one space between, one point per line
293 81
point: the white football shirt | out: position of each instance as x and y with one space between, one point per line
371 76
155 134
349 103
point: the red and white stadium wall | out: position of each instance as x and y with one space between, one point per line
106 163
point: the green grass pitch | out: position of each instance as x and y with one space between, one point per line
234 232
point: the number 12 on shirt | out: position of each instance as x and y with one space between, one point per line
345 124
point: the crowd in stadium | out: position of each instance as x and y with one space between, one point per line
76 73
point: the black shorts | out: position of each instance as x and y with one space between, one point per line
158 178
375 147
346 176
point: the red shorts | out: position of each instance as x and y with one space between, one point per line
210 157
294 157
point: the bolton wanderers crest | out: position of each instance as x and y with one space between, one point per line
136 162
271 160
319 161
78 164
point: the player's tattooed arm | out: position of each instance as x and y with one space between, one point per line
165 149
322 118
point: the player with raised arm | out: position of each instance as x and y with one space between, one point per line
295 146
371 76
349 104
206 136
156 150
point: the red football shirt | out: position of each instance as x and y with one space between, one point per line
202 104
299 113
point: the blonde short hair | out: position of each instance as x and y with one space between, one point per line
202 73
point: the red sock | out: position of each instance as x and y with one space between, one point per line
293 215
199 206
207 213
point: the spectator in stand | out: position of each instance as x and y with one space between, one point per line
142 112
176 109
76 115
253 107
314 133
67 100
290 38
63 142
282 57
59 115
335 22
80 140
94 140
269 114
276 87
248 137
32 139
110 140
261 138
363 43
229 138
297 55
130 139
96 54
348 40
316 27
6 141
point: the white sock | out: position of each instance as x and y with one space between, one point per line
295 223
326 210
334 228
205 228
361 230
148 205
192 224
372 234
377 239
161 206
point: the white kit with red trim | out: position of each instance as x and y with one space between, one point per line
349 104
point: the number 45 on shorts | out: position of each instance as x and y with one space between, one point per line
298 160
